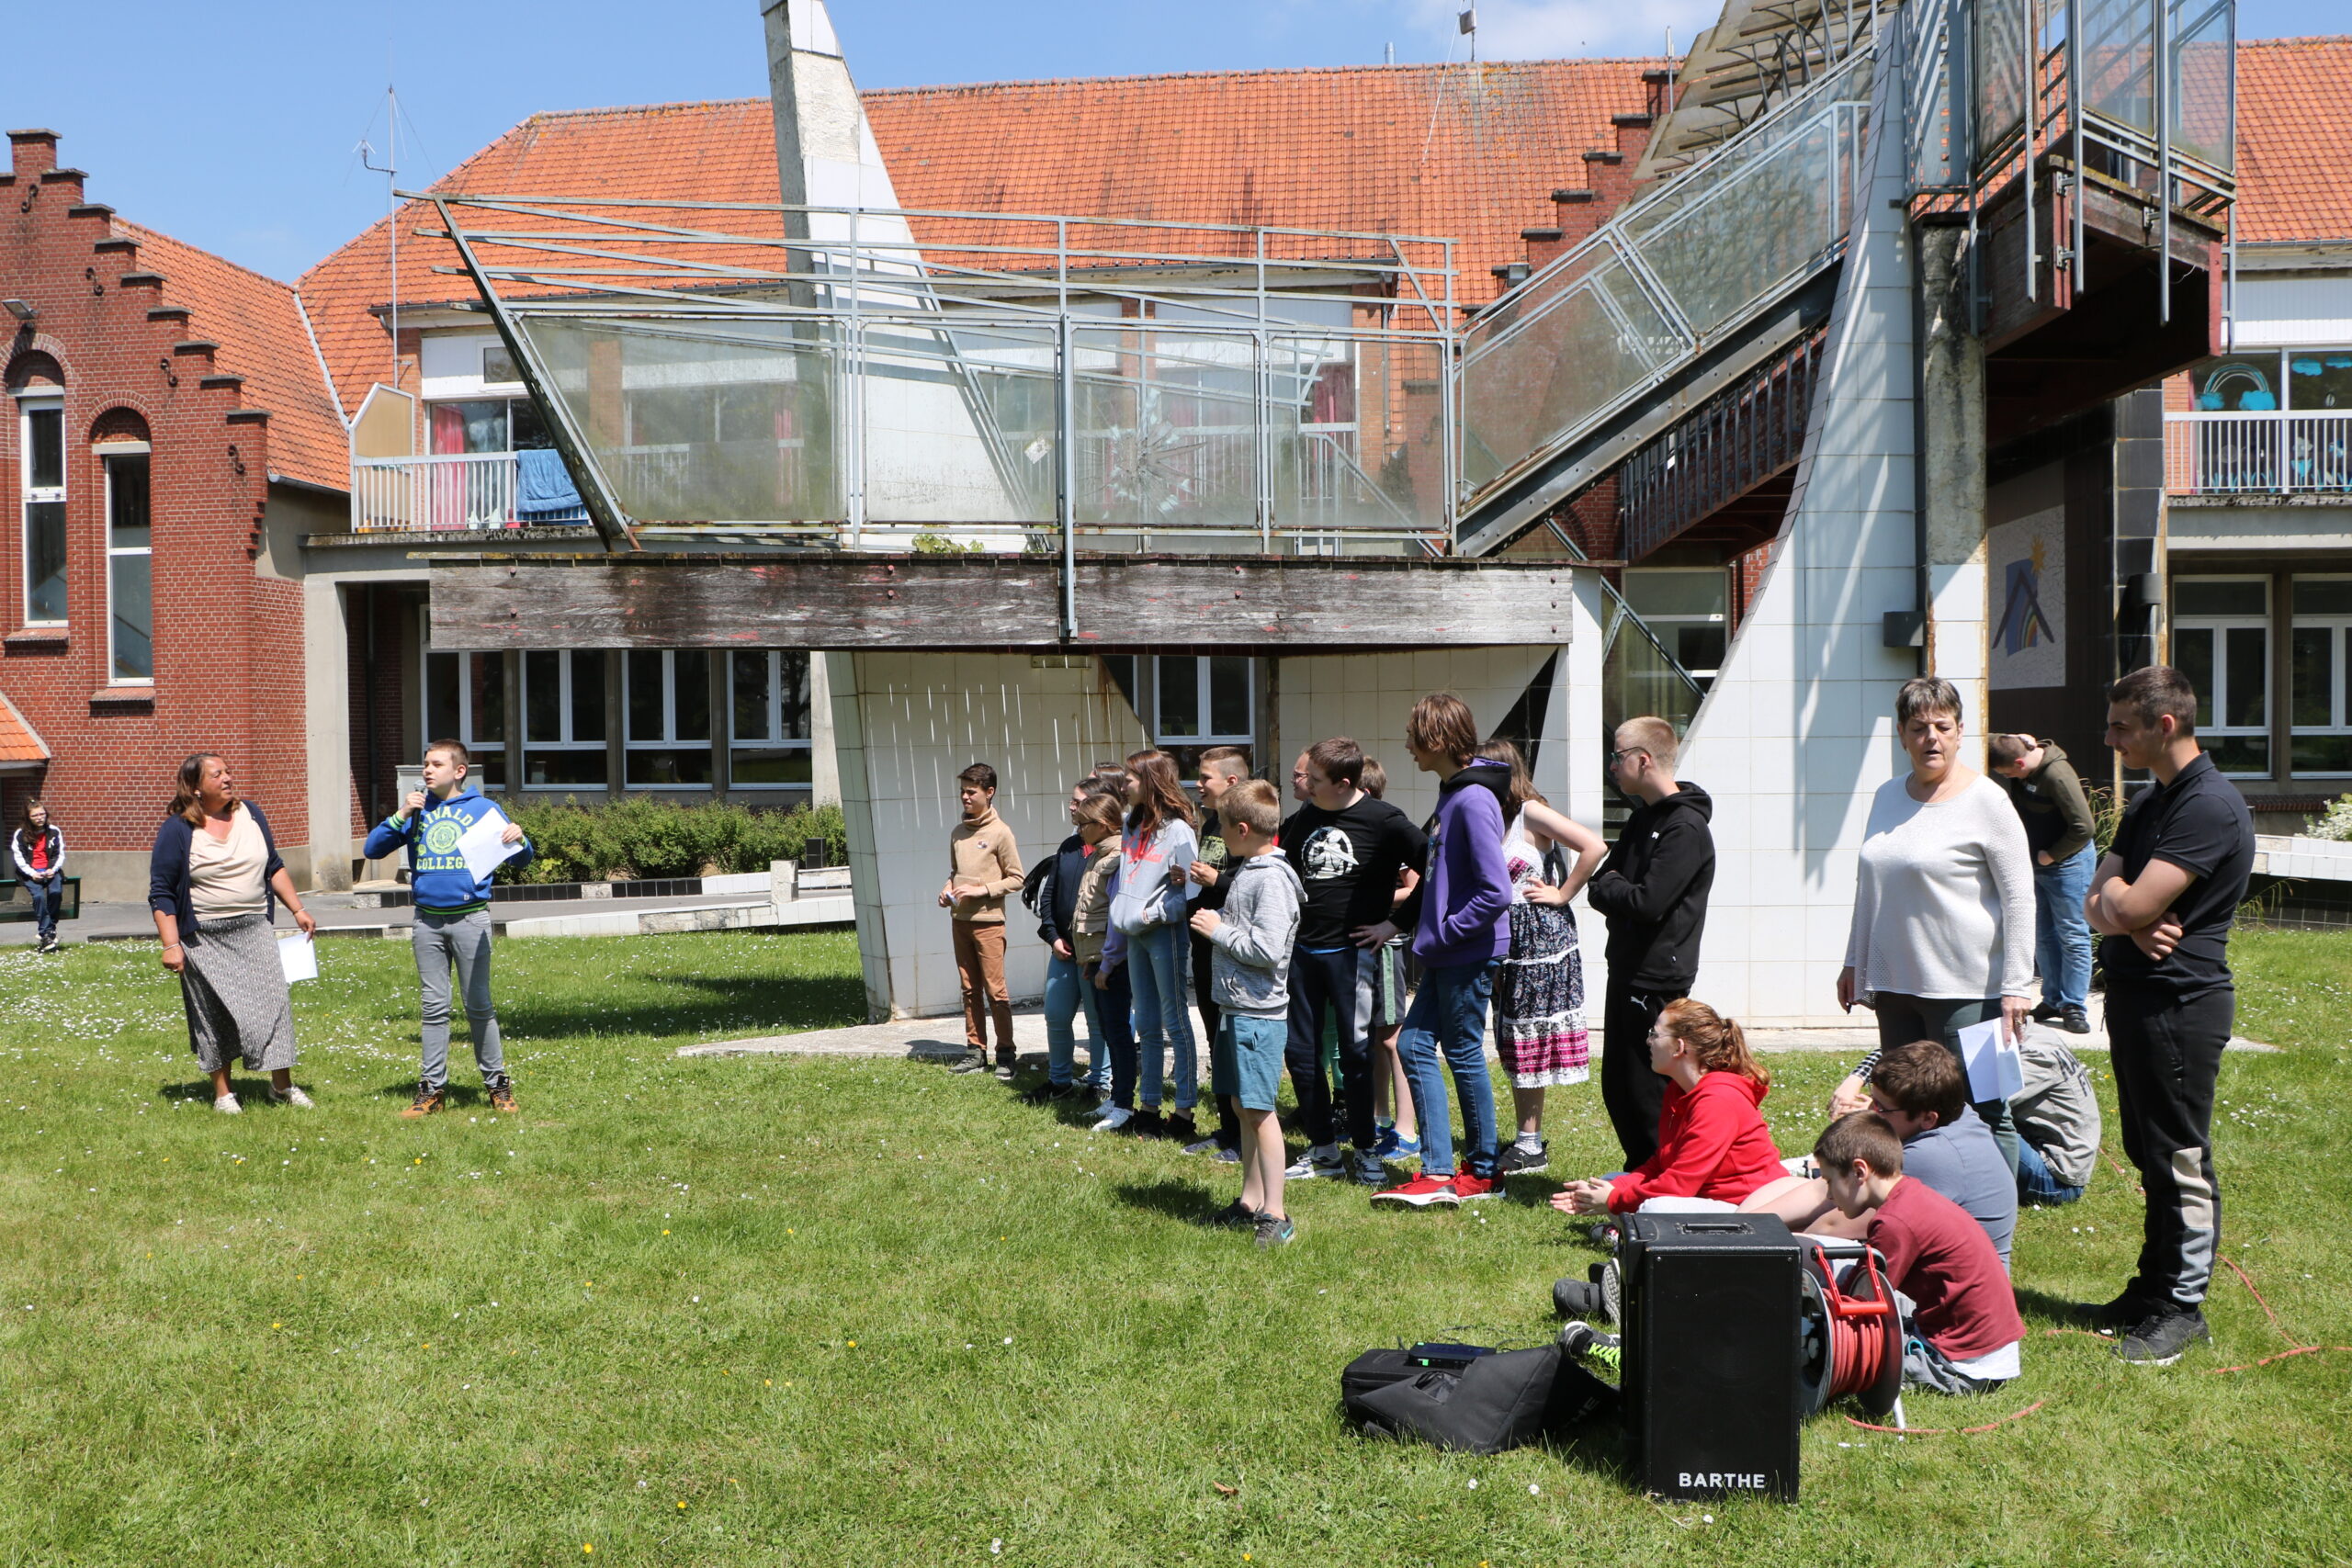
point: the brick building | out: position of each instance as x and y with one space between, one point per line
170 440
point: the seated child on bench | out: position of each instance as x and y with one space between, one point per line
1713 1147
1964 1315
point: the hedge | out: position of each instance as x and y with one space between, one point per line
642 837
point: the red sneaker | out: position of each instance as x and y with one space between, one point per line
1419 1192
1468 1185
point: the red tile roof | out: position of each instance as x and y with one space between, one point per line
2294 125
18 743
1465 152
259 327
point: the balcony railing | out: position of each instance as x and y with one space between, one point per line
479 490
2259 453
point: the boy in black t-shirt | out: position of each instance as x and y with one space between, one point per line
2162 898
1347 848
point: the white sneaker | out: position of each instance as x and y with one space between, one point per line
1324 1163
1114 1118
295 1098
226 1105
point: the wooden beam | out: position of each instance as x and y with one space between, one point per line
995 604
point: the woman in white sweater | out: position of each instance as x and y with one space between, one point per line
1943 935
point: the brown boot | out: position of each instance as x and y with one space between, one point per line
501 1095
427 1102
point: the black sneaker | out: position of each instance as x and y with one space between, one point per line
1235 1216
2162 1336
1577 1298
1142 1124
1275 1230
2126 1310
1045 1093
973 1062
1599 1352
2044 1013
1518 1160
1180 1129
2075 1021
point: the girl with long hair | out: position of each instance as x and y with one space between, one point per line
38 851
1150 911
1713 1149
1539 990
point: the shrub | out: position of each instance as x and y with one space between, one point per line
2334 823
2106 814
644 836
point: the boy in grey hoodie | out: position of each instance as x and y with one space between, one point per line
1249 945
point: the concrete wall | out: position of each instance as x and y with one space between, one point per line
1798 731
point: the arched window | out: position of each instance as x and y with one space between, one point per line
39 389
119 439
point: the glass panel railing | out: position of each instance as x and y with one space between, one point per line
1998 70
2204 83
1678 267
2118 51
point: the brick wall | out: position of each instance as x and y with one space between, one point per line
228 641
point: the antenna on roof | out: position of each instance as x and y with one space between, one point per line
1468 23
1389 55
389 169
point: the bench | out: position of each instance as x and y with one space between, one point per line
16 900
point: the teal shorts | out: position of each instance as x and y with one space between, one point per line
1246 1062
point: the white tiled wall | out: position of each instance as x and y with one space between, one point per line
1798 731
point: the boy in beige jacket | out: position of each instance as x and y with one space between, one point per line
984 864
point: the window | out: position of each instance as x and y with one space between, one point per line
465 698
41 484
2319 706
563 719
668 703
2319 379
1204 702
130 579
1688 611
769 741
2221 640
498 365
487 424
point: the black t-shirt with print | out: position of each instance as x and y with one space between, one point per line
1347 859
2200 823
1212 851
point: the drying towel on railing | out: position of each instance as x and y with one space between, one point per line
542 484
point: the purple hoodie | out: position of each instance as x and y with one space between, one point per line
1465 916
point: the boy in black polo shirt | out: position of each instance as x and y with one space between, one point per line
2162 898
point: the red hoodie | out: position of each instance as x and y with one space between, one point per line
1712 1143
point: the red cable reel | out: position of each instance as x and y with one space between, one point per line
1853 1341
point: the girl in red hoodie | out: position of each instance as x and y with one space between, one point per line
1712 1144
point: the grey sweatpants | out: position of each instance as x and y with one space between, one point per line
463 940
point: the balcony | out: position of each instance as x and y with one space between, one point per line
2260 453
478 490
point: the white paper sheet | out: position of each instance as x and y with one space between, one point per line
298 954
1995 1070
481 847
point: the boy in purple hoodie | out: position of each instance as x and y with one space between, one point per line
1460 920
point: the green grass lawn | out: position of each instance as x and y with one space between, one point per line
774 1310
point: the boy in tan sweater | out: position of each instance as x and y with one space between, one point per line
984 864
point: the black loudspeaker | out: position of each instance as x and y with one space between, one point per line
1712 1352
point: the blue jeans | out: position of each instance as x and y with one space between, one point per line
2061 938
2037 1183
1067 993
1156 969
48 894
1448 1015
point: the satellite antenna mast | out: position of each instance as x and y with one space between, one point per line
389 169
1468 23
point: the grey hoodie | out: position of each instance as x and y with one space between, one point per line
1249 963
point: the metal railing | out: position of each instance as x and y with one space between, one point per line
1665 279
2259 453
438 494
867 376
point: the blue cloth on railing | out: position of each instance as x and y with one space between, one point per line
542 484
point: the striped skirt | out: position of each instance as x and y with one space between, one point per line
234 988
1539 1001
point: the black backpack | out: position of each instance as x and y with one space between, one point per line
1503 1399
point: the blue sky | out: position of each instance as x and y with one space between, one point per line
233 126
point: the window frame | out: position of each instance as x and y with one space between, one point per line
2338 623
1204 666
564 717
2219 626
670 739
737 744
1673 618
29 495
484 751
108 453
